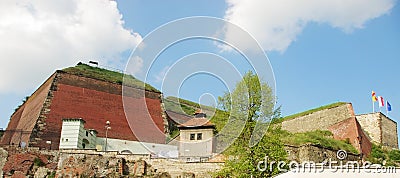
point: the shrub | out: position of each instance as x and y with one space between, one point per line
38 162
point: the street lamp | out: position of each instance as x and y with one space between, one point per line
107 128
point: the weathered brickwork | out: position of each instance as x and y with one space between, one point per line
380 129
320 120
25 118
65 95
350 130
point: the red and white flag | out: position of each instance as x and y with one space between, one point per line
381 101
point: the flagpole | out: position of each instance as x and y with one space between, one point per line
387 111
373 107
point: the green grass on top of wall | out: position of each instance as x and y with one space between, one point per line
108 75
329 106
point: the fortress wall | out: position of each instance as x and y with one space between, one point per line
319 120
11 128
97 101
389 132
371 125
379 128
24 120
350 130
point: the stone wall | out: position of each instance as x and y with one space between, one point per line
319 120
380 129
28 162
32 162
372 126
177 168
315 153
389 132
3 160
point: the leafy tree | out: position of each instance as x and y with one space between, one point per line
252 103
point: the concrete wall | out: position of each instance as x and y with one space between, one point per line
380 129
320 120
140 148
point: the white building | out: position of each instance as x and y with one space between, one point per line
196 139
75 136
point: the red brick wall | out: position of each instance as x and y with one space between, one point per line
350 129
96 102
24 120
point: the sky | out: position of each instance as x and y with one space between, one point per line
320 51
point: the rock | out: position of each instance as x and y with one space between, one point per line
41 172
3 160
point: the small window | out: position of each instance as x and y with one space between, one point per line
87 134
199 136
192 136
66 139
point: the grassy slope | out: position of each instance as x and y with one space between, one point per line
379 155
108 75
322 138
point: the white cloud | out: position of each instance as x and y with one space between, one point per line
161 75
38 37
135 65
276 23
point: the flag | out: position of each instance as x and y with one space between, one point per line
374 97
381 101
389 107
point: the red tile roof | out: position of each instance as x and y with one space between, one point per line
197 122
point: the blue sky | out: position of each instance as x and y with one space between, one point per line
322 66
318 58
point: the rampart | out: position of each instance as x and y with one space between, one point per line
319 120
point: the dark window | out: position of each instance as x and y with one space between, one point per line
199 136
192 136
87 134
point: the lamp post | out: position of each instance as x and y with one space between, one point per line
107 128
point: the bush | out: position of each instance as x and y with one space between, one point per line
377 152
38 162
394 155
